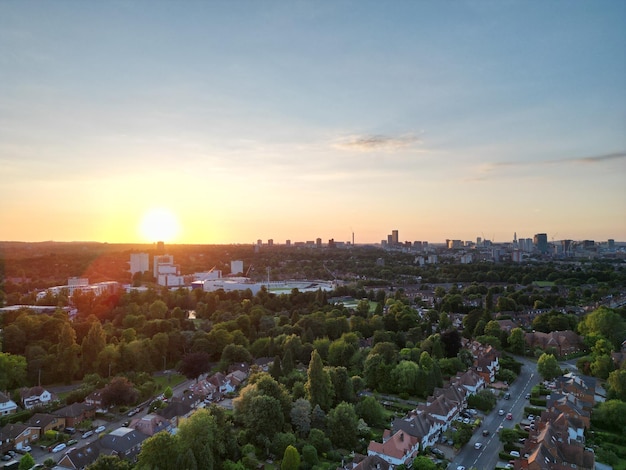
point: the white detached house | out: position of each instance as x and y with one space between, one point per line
36 396
7 406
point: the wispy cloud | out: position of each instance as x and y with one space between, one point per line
487 170
598 158
376 142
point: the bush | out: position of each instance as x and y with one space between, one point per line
538 401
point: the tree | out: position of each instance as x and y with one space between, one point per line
281 441
291 459
548 367
120 391
194 364
318 384
343 426
110 462
168 393
301 416
67 354
370 409
198 434
157 310
26 462
422 462
610 415
92 346
12 371
606 322
602 366
617 384
517 341
159 451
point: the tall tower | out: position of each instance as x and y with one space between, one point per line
394 237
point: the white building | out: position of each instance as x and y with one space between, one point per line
139 263
236 267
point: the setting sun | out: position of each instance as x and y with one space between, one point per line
159 224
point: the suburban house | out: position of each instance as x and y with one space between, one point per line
123 442
397 449
562 342
17 436
550 447
75 413
369 462
486 361
7 406
425 428
36 396
470 380
46 422
95 399
175 411
150 424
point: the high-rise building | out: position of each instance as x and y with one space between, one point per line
394 237
139 263
541 242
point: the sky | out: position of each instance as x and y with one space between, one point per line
230 121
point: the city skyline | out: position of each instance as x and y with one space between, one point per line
229 122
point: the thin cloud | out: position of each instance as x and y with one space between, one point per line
600 158
377 142
488 170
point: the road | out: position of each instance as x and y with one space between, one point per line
487 456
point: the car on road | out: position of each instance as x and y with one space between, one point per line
500 412
71 442
99 429
527 396
485 432
460 467
478 446
58 448
509 416
507 396
87 434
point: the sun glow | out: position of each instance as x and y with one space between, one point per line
159 224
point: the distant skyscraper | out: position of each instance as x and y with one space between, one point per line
394 237
541 242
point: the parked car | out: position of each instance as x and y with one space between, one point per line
528 396
58 448
99 429
24 449
71 442
507 396
87 434
69 430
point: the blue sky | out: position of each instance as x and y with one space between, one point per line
298 120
